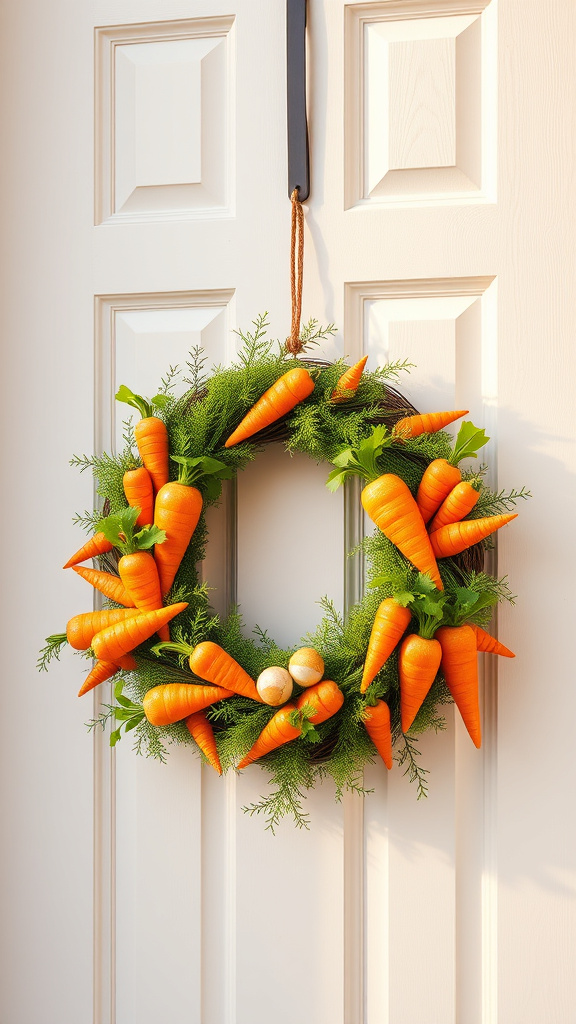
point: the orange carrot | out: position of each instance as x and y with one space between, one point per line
171 702
177 511
290 389
139 575
456 537
489 644
389 624
150 434
324 699
127 662
152 441
442 475
97 545
348 383
389 503
109 585
103 670
427 423
114 641
460 501
199 727
137 568
210 662
81 629
460 669
438 481
377 724
418 664
139 492
278 731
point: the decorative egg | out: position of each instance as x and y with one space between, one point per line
306 666
274 685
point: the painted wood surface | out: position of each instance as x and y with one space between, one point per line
440 229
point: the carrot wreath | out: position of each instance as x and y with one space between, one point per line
442 475
387 500
391 661
290 389
150 434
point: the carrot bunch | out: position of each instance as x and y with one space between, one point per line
460 640
442 477
150 434
387 500
317 704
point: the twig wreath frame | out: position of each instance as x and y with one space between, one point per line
343 427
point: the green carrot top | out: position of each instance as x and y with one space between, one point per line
119 530
361 460
190 471
144 406
468 442
426 603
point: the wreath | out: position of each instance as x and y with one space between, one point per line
360 686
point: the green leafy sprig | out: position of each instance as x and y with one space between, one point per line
144 406
361 460
468 442
120 530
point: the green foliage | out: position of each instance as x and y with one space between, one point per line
120 530
356 437
142 405
468 442
54 645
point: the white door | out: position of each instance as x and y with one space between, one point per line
439 229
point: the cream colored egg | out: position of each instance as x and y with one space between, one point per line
274 685
306 666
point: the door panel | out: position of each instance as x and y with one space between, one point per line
439 230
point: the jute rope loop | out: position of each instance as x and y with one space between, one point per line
293 343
